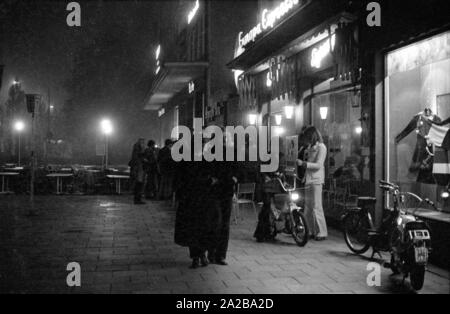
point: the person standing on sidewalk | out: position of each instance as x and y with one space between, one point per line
167 170
137 173
224 174
314 168
196 221
151 169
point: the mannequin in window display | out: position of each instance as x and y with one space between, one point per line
422 161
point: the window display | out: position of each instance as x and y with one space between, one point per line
338 117
418 117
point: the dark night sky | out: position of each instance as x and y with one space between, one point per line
40 49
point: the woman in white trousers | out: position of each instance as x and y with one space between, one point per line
314 165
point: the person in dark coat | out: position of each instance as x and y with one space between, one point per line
151 170
222 193
197 217
167 170
137 173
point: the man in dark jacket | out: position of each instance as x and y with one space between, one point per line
151 170
167 171
137 170
197 215
224 173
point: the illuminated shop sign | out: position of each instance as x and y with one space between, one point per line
157 52
157 55
193 12
319 53
191 87
269 19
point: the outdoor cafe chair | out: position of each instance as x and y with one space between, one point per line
245 194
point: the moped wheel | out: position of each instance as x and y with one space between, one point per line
299 228
356 235
394 268
417 276
272 228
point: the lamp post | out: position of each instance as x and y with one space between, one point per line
107 129
19 126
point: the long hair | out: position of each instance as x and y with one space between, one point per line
311 136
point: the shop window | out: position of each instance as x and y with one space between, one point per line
338 117
418 87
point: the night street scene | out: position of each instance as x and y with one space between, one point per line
237 150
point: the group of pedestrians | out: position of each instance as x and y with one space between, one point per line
151 171
204 194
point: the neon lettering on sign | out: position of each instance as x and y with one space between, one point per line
194 10
157 52
157 55
320 53
268 20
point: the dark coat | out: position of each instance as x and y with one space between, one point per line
197 217
165 161
137 163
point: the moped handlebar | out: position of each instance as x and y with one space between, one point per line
388 184
286 189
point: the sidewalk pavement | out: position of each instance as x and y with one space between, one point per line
123 248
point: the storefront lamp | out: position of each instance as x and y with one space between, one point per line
289 112
279 131
252 118
358 130
445 194
278 119
268 81
323 113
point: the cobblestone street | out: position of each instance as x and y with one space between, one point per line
123 248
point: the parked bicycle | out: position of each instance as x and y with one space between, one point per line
404 236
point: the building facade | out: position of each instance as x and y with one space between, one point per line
319 62
191 76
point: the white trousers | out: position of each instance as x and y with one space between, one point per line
315 216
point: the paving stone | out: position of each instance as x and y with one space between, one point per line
130 250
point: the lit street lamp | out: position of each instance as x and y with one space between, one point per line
19 126
107 129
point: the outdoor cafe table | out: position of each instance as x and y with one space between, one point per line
59 178
117 179
5 179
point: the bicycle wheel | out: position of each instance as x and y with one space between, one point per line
299 228
356 235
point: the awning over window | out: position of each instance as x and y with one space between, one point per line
172 78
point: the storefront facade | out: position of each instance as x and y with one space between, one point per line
410 87
315 77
